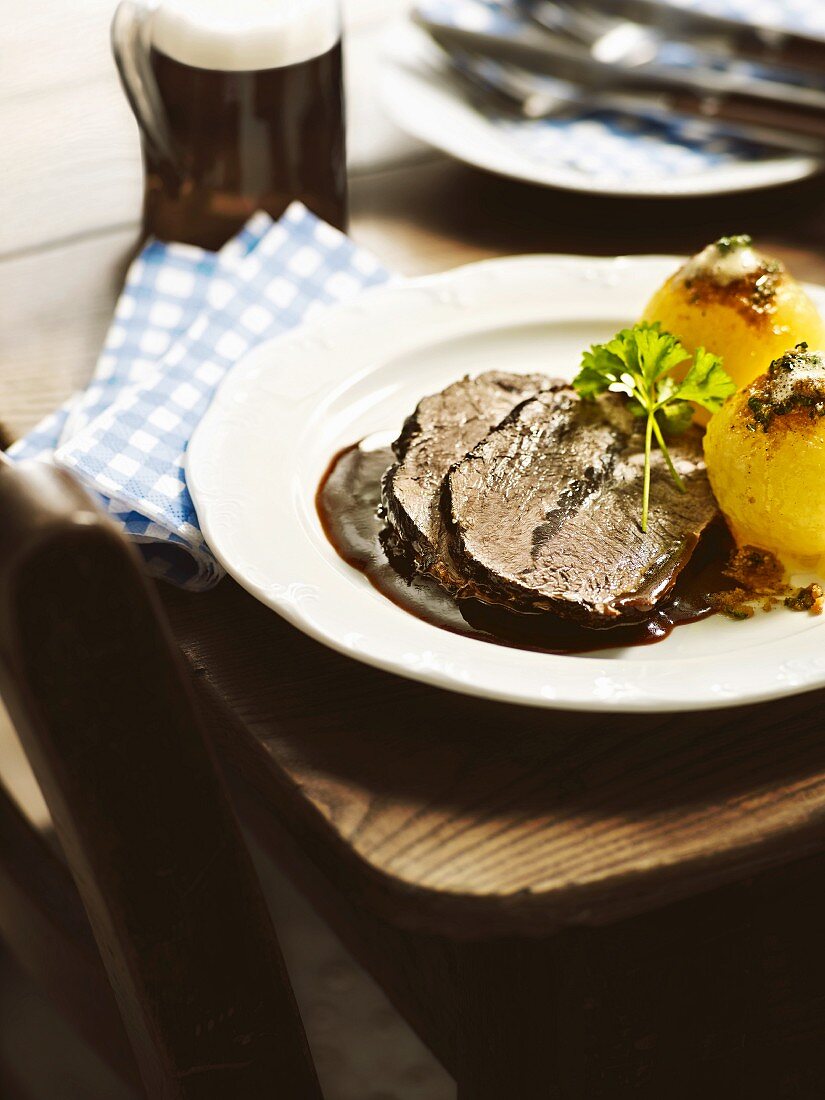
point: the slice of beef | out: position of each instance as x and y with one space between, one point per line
443 428
545 513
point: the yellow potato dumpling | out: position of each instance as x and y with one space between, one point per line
765 455
739 304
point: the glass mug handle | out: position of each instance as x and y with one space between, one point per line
129 36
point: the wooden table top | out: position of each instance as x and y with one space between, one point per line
443 813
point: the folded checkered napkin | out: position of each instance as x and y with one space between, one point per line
184 318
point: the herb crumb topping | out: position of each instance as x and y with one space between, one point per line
810 599
733 273
794 383
759 580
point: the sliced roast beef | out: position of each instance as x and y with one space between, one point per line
545 512
443 428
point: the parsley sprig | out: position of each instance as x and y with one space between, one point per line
638 363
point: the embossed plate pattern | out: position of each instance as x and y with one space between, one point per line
255 462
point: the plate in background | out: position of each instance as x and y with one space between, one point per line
597 153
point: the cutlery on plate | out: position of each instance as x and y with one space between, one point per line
704 93
532 98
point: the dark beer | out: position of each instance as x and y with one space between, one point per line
246 141
240 105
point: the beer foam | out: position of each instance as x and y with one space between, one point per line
241 35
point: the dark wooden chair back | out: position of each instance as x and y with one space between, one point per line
108 719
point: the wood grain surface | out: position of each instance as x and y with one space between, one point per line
469 818
560 905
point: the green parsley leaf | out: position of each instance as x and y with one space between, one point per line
603 369
638 363
676 417
706 383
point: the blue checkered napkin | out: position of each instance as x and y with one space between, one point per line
166 288
41 441
609 146
132 452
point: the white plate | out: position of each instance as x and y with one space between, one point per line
256 459
627 159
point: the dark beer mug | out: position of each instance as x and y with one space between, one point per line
240 107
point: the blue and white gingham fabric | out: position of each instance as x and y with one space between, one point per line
166 289
184 318
612 146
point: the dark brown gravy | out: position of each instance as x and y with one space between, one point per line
348 500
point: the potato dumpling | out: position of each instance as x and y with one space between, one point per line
739 304
765 455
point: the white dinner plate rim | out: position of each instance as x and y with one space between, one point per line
622 687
